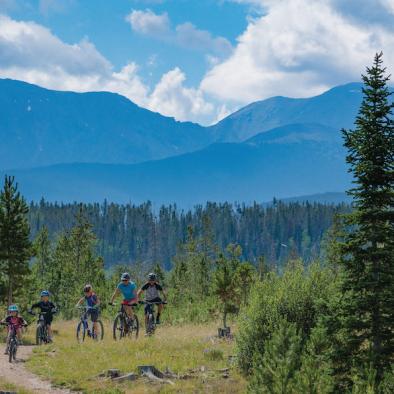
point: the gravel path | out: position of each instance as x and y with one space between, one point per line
17 373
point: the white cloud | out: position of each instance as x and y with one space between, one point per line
149 23
170 97
185 35
298 48
30 52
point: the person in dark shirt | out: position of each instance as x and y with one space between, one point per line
92 303
48 309
152 291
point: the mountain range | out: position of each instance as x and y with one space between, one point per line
67 146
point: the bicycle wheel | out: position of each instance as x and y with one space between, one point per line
99 334
135 327
11 350
119 328
81 332
39 335
150 328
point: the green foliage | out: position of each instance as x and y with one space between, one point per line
64 268
314 375
274 370
298 296
15 246
364 318
133 233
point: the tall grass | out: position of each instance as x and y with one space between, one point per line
179 348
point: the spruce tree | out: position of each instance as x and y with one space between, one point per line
15 247
367 251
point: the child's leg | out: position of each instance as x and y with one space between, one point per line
49 329
19 335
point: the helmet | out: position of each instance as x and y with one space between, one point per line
45 293
125 276
13 308
87 288
152 276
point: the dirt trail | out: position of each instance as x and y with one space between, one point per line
17 373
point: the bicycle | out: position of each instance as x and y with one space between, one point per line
124 326
150 311
83 328
12 344
42 329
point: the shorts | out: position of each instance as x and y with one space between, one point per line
148 307
130 302
93 313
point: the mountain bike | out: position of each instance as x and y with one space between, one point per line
150 312
125 326
42 329
84 330
12 344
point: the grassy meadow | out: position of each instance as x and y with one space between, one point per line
184 349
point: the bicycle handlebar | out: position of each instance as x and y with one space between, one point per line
153 303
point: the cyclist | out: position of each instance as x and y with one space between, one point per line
92 302
48 309
14 320
128 290
152 289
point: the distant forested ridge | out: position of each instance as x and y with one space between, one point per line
136 233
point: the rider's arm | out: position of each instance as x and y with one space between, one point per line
36 305
80 301
97 301
116 293
139 292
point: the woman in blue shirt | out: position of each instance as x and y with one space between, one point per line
128 289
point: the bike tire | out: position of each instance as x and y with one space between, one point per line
135 327
11 350
99 336
118 330
39 335
150 329
81 332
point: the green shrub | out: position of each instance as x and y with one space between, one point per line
274 370
298 296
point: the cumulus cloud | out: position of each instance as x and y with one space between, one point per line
184 35
170 97
30 52
149 23
297 48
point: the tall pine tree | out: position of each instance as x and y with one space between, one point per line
367 252
15 247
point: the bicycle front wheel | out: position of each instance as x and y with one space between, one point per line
119 328
12 352
135 327
98 333
150 328
39 335
81 332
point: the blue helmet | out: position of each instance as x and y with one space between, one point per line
13 308
45 293
125 276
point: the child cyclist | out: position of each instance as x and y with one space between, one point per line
13 320
128 290
92 303
48 309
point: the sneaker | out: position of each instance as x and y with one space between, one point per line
158 320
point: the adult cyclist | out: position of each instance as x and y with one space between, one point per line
152 291
127 289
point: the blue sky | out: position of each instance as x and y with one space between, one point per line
194 60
